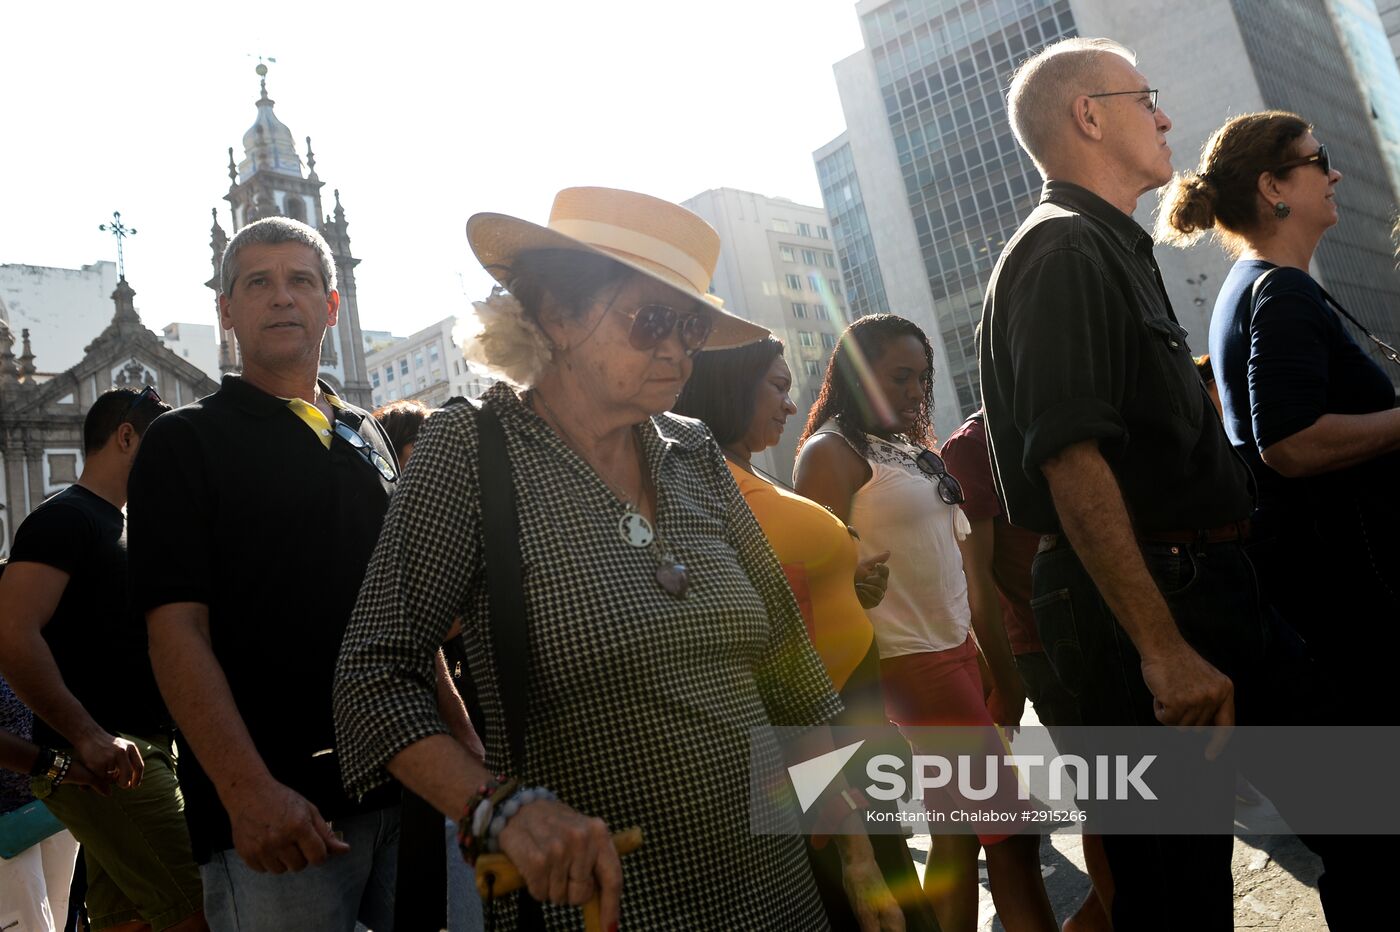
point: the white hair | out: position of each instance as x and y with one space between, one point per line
1043 87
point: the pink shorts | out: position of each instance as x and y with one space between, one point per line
944 688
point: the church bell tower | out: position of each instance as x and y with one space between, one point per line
271 181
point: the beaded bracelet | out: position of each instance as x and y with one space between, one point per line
509 808
476 815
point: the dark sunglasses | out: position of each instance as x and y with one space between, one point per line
148 393
949 488
1320 157
653 323
349 435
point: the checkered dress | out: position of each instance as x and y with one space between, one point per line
640 704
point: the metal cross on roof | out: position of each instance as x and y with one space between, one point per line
121 231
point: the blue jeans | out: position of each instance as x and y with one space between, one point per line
1211 591
330 897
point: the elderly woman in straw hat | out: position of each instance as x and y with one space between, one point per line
655 628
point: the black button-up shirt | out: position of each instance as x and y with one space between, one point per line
1079 343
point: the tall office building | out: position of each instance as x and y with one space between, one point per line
940 184
778 268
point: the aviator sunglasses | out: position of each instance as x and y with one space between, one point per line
949 488
653 323
376 459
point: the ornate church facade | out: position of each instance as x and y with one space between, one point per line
41 414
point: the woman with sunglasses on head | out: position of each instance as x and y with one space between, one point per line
741 395
631 671
864 454
1307 407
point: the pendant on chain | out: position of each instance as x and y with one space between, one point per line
636 531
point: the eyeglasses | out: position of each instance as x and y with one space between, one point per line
1151 94
949 488
386 469
1320 157
653 323
148 393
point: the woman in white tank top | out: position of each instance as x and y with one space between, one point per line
864 456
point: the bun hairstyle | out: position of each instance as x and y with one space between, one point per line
1221 194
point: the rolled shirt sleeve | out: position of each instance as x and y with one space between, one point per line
1065 332
416 584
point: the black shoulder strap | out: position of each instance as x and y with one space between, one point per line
505 578
1388 351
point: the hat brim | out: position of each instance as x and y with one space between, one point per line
497 239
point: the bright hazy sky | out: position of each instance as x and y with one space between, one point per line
421 114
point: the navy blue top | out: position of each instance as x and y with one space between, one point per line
1282 367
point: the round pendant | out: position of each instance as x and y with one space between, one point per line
635 529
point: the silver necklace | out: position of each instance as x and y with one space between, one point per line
633 527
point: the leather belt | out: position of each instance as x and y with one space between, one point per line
1239 530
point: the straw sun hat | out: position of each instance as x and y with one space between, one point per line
655 238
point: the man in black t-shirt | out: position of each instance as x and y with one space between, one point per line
76 654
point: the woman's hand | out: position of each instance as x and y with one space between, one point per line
872 579
565 857
874 905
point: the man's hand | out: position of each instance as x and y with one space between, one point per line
874 906
79 775
872 579
565 857
275 830
113 759
1189 692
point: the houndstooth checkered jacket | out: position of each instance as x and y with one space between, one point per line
640 704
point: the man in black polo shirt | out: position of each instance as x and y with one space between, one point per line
1103 439
253 515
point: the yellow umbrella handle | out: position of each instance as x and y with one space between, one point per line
496 876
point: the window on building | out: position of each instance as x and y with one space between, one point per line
433 352
804 229
822 312
295 208
794 282
805 337
435 375
828 260
456 367
822 231
812 393
835 286
828 341
787 254
422 383
815 281
799 310
418 360
809 256
812 366
782 226
403 366
374 379
388 373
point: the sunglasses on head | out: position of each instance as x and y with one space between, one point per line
949 488
1320 157
376 459
148 393
653 323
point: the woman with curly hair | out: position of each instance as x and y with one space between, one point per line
865 454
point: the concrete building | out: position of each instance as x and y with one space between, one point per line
197 343
61 308
268 182
426 367
778 268
940 184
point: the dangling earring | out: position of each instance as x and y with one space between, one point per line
1282 210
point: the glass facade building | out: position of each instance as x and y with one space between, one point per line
850 230
943 67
